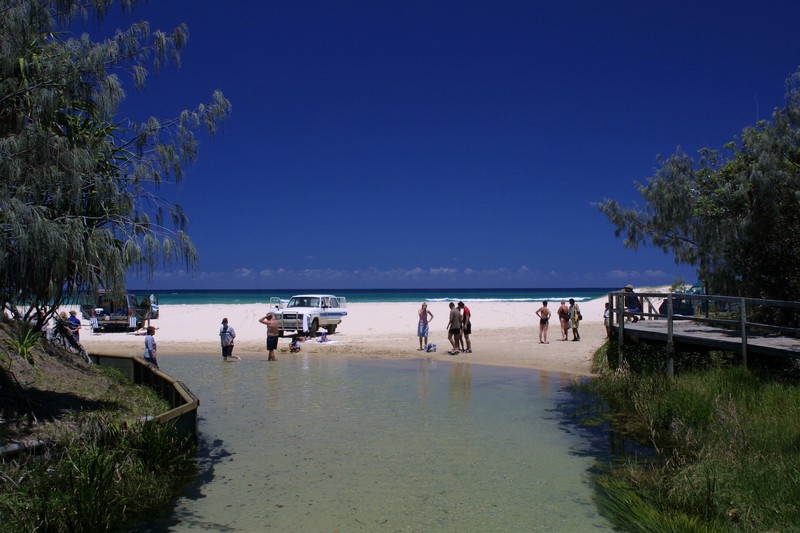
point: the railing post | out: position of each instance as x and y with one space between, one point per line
743 319
621 322
670 342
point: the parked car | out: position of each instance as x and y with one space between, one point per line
680 306
308 313
123 311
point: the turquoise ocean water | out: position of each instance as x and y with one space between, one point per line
250 296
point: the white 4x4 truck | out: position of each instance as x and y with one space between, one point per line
308 313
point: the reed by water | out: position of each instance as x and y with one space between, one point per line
726 442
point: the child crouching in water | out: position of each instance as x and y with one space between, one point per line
294 347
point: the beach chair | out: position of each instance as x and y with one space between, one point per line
132 323
96 327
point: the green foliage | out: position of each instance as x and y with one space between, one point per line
728 451
653 358
633 512
96 484
23 338
734 213
78 203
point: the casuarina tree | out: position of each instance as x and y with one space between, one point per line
734 213
79 184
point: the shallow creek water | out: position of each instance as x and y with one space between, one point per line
307 444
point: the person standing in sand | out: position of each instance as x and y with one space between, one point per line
150 353
544 321
574 319
226 336
466 327
272 335
425 316
563 318
74 325
454 328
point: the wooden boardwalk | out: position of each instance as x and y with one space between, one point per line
688 335
716 323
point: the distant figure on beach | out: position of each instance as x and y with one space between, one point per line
74 325
607 321
633 305
226 336
454 328
272 335
563 317
574 319
544 321
150 353
425 316
466 327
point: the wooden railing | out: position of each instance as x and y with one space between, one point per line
730 313
184 404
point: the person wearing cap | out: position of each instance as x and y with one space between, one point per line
74 325
150 353
226 336
633 305
272 335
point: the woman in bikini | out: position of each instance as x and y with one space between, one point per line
544 319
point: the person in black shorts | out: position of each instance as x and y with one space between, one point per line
544 321
272 335
454 328
466 327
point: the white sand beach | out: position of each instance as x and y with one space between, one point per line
503 334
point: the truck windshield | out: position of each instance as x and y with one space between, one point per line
303 301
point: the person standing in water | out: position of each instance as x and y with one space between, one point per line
272 335
226 336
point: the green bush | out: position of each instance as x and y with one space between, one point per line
22 339
91 485
727 443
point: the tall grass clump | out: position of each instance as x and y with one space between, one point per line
726 444
22 339
97 484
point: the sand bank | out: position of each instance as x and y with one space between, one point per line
504 334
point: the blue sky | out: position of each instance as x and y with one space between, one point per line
437 144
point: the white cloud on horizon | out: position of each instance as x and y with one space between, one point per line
404 277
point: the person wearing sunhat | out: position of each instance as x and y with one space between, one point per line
633 305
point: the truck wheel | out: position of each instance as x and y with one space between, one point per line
312 331
280 333
331 330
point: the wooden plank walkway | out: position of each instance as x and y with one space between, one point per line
686 333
